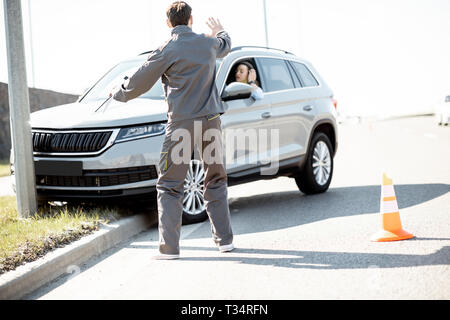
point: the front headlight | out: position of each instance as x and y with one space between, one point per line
140 132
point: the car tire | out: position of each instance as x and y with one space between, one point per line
317 172
194 209
42 203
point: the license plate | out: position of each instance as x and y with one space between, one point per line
58 168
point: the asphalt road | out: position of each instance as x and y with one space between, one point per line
291 246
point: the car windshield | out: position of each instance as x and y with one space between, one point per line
115 77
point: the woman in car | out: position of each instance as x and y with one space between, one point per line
246 73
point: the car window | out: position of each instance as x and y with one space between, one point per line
232 72
276 74
294 76
305 75
447 99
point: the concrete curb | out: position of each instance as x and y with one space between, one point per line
25 279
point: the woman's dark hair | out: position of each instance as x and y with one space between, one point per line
179 13
248 64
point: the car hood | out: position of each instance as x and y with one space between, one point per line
112 114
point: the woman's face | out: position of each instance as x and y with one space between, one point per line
242 73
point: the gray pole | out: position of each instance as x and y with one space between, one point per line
30 27
19 108
265 23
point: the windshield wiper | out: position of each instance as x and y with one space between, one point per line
103 104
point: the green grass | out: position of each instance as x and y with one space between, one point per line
4 168
25 240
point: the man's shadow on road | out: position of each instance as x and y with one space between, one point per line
318 260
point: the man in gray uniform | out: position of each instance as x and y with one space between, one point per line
187 67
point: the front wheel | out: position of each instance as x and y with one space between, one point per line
317 172
194 208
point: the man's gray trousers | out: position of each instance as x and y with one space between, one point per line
180 140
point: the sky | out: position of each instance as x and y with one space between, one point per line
384 57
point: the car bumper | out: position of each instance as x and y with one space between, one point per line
125 169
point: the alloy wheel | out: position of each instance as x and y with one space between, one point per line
321 163
193 200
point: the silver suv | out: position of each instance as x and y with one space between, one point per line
85 151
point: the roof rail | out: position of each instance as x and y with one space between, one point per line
238 48
259 47
146 52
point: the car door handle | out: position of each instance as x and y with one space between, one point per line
308 108
266 115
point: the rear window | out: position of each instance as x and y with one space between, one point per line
306 76
276 74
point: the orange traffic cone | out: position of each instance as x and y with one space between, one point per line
391 224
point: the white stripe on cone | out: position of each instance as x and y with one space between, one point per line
389 206
388 191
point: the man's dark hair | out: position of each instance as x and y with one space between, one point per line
179 13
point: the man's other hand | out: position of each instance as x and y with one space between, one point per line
215 26
114 91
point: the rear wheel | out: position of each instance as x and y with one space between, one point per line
194 208
317 172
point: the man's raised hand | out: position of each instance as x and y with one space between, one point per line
215 26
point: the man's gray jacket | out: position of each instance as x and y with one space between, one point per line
187 67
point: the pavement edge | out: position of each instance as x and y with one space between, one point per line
16 284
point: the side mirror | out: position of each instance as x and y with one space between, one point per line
237 90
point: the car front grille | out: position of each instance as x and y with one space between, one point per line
100 178
73 142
